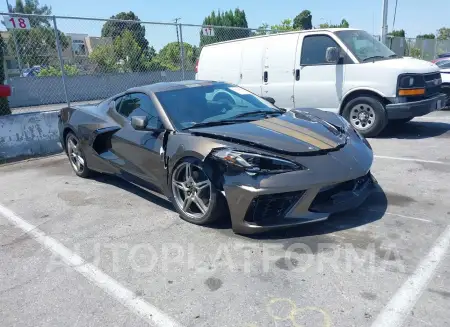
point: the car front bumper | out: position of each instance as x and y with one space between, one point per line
417 108
334 182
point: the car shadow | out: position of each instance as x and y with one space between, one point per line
145 194
372 209
416 130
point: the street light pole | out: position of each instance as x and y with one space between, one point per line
384 23
16 45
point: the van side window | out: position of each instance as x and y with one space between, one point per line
314 49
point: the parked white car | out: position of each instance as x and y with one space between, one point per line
346 71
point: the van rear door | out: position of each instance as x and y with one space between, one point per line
252 64
278 69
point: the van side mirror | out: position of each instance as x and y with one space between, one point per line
269 99
332 55
139 122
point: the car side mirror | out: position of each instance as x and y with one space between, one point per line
332 55
139 122
269 99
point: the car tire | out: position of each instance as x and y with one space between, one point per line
366 114
77 156
216 205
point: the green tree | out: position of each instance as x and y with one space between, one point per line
226 19
398 33
127 49
69 70
426 36
284 26
443 33
32 7
4 104
169 56
344 24
115 29
36 46
303 21
104 58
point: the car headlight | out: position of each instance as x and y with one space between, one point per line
255 162
411 84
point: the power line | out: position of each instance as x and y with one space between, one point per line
395 14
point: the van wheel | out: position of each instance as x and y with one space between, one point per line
366 114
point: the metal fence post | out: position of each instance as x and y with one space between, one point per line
61 60
181 51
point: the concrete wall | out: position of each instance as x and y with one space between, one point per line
36 91
31 134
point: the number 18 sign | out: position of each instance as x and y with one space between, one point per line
21 23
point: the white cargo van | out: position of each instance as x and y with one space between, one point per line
346 71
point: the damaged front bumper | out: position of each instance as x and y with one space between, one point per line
254 210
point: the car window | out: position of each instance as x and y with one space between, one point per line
314 49
206 103
139 104
443 64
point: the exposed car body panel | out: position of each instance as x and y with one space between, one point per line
331 154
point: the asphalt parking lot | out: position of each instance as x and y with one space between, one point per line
134 262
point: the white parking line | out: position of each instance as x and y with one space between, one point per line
402 216
413 159
140 307
403 301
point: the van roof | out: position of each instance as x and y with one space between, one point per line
318 30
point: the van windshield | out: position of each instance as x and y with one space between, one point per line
364 46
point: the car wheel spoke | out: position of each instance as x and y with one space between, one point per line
80 160
188 171
187 203
72 145
77 164
201 185
180 185
199 203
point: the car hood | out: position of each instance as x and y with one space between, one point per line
296 132
407 65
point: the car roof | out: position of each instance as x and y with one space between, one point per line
167 86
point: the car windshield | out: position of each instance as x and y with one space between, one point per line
201 104
364 46
443 63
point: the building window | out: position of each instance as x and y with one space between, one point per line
78 48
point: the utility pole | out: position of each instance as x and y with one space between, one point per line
16 45
384 22
176 26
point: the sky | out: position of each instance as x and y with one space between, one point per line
414 16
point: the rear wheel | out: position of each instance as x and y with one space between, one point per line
366 114
193 195
76 156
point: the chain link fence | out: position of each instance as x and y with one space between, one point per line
97 58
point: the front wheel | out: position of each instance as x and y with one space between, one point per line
366 114
193 195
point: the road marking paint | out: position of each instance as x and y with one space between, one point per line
403 301
413 159
146 311
402 216
437 118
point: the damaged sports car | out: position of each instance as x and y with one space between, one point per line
218 151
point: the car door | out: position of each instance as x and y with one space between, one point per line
279 61
318 83
139 150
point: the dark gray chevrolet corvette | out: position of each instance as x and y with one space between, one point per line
216 151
